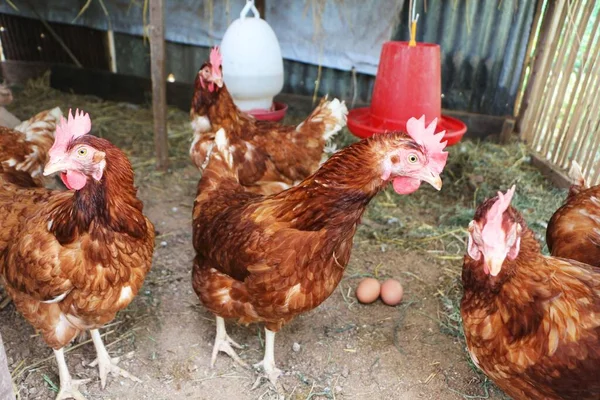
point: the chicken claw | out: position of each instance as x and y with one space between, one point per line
69 388
223 343
268 362
271 372
105 363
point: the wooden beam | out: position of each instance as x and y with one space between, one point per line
159 82
550 171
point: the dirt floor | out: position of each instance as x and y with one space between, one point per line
346 350
342 349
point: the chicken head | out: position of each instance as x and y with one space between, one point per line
408 167
495 235
75 161
211 74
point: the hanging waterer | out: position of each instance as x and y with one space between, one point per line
252 64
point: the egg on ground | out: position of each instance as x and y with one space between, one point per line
368 290
391 292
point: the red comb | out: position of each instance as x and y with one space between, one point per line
215 58
432 142
494 215
70 129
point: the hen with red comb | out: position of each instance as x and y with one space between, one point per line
72 259
531 322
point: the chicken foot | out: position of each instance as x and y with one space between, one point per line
106 364
223 343
68 386
268 362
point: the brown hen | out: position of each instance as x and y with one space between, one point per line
272 157
574 229
271 258
531 322
25 148
71 260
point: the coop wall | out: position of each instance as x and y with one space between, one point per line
561 122
482 44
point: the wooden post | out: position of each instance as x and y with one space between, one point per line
159 82
507 130
260 6
6 387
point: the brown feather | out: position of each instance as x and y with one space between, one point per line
270 258
535 328
574 229
84 248
272 156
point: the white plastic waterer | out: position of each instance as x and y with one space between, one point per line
252 62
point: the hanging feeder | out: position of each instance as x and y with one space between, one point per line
253 65
408 84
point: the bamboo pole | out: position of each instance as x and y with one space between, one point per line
586 109
542 124
530 61
578 97
550 31
571 56
159 88
594 142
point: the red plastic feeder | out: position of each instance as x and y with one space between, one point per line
276 113
408 84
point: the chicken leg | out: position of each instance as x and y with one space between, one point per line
68 386
268 362
106 364
223 343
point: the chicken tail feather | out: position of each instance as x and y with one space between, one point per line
327 119
576 174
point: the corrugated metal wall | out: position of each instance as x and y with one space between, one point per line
483 46
27 39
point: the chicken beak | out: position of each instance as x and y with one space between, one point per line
218 81
494 265
432 178
55 166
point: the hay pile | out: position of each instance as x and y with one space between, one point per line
431 223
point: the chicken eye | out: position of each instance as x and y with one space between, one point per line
81 152
412 158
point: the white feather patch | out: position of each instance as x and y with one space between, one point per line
200 124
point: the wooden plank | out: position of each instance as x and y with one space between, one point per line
22 71
6 385
159 88
545 50
507 129
117 87
112 54
549 170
